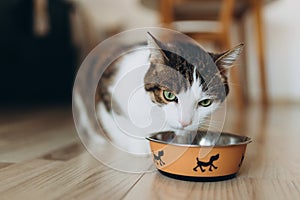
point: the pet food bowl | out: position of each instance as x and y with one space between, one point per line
202 156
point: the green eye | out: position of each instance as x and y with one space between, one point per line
206 102
169 96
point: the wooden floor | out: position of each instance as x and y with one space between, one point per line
41 157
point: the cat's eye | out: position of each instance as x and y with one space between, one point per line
205 102
169 96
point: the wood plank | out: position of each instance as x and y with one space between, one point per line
80 177
19 174
3 165
65 153
33 133
21 146
108 184
156 186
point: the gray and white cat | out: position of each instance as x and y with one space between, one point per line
160 86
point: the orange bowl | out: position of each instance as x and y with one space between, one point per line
202 156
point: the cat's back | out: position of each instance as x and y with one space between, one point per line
123 77
131 63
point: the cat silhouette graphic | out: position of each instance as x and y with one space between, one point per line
157 158
202 164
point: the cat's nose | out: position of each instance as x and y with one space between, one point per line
185 123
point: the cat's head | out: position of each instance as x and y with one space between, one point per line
187 82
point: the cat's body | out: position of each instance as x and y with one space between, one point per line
160 87
116 119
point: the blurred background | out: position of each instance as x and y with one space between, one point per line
43 42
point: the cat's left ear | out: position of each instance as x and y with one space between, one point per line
226 59
156 49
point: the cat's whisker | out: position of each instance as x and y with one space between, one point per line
209 128
212 79
234 84
211 89
209 125
216 122
212 125
211 118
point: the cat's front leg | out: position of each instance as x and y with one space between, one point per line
85 124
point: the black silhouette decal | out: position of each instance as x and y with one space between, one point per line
157 158
202 164
242 159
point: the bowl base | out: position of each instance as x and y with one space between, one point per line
198 179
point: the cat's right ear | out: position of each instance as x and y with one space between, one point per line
156 49
226 59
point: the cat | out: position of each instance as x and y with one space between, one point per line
158 86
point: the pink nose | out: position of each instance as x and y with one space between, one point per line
185 123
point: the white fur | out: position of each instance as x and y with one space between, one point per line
84 124
187 111
139 116
129 129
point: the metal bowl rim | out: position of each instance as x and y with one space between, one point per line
246 140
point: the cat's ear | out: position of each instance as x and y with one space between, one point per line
226 59
156 49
